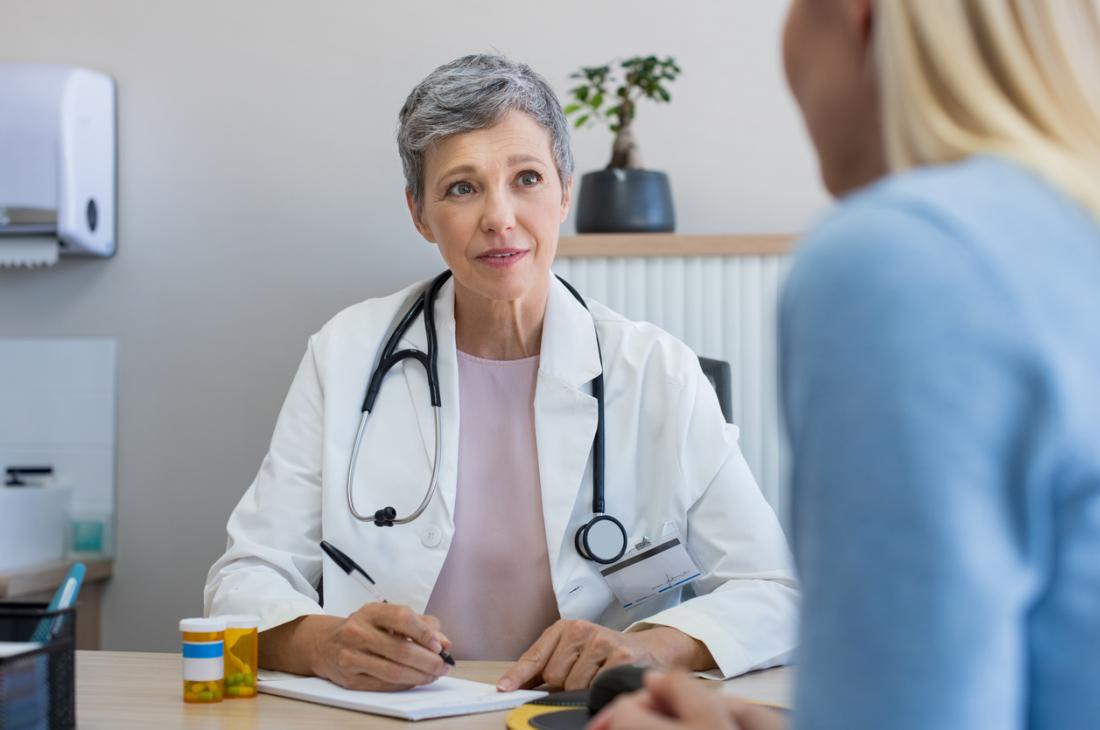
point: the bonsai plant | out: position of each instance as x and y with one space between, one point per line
623 197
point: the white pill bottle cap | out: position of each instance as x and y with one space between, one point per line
240 621
202 625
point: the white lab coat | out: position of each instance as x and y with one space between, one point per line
670 459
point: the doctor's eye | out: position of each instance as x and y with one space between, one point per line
528 178
460 189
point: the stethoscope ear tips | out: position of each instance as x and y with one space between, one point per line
385 516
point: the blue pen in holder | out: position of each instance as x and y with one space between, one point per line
37 688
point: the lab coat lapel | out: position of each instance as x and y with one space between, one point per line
565 414
416 380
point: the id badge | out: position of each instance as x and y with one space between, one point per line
650 571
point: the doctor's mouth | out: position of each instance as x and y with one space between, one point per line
502 258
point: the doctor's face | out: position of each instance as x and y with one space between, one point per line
493 204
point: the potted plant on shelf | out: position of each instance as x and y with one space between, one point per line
624 197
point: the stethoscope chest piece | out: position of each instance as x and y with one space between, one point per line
602 539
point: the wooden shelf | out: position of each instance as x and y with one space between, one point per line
36 579
676 244
38 583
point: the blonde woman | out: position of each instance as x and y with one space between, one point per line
940 335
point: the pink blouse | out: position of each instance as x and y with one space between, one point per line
494 595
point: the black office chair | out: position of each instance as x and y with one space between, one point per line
720 376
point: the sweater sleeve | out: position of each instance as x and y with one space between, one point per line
905 390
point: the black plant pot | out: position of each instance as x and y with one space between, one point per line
617 200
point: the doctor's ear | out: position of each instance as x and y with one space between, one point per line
566 197
418 221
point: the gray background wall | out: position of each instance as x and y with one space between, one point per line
260 192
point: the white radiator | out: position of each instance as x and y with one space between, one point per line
723 307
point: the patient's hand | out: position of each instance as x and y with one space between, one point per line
570 653
680 702
381 647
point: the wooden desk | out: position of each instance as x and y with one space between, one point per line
143 690
38 583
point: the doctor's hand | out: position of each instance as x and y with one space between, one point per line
380 647
570 653
681 702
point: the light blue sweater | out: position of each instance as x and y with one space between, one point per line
940 365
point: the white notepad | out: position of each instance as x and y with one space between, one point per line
443 698
11 648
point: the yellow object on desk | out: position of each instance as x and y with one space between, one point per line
242 655
203 669
523 717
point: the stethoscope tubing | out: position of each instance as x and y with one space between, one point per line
425 304
597 445
432 485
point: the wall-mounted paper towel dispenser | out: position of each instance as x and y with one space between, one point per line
57 162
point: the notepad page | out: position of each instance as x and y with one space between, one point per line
11 648
445 697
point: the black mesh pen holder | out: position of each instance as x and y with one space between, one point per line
37 686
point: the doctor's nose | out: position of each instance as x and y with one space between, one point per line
499 216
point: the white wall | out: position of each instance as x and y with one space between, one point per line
260 192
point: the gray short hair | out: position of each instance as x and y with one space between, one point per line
470 93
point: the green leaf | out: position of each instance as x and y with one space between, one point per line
581 93
597 100
580 121
571 108
596 74
663 92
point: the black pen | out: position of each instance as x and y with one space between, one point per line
349 566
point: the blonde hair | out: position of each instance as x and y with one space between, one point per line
1016 78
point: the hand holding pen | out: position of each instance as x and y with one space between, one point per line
382 646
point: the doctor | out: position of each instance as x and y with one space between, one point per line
471 517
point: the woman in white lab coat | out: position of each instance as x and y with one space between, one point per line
492 568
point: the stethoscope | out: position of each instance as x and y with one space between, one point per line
601 539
